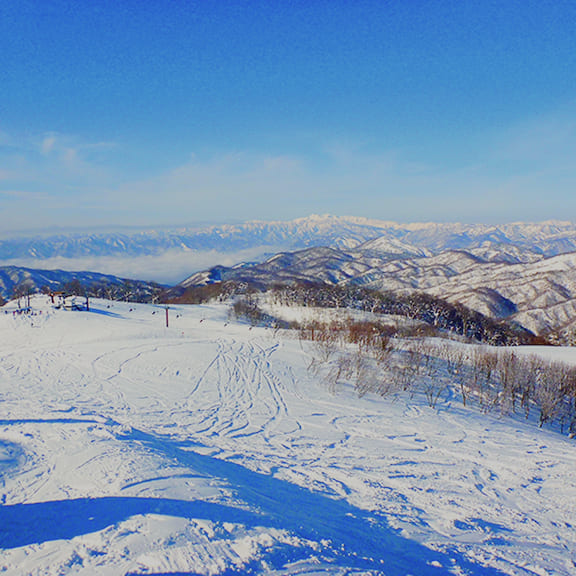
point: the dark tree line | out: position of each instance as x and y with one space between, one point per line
128 290
436 313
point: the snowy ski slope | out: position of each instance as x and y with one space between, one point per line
208 448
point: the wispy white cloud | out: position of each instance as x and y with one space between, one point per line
51 179
47 144
170 267
67 156
546 139
54 161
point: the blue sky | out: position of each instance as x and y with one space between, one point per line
149 112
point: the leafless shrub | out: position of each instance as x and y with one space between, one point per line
341 369
486 390
508 370
430 371
325 343
381 351
407 367
364 378
433 390
528 376
551 391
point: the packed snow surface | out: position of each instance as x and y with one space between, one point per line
207 447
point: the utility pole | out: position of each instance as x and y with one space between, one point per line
167 323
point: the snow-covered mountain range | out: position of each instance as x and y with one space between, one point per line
546 238
501 282
299 233
169 255
519 271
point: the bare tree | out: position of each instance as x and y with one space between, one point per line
508 370
340 369
364 379
549 392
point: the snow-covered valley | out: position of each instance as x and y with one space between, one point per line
208 447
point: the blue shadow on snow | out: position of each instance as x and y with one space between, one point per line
105 313
48 421
354 538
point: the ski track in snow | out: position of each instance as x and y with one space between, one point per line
208 448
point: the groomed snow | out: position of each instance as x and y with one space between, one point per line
208 448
